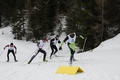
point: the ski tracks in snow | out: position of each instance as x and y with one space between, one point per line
100 66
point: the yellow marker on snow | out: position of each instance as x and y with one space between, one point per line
71 70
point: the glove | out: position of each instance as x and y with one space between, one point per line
81 37
60 48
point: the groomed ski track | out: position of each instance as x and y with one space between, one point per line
100 64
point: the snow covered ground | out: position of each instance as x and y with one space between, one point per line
100 64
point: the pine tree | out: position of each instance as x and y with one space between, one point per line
82 17
112 17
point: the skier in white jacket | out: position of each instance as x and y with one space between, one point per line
40 45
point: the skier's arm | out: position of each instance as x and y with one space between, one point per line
6 46
59 41
41 44
51 41
60 48
78 34
65 39
81 36
15 49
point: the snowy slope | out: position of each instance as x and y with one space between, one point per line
100 64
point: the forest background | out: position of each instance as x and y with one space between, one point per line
96 20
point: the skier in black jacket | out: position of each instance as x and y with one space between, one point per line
53 46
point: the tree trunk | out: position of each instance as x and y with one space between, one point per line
0 20
102 30
28 17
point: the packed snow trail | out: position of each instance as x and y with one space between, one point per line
100 64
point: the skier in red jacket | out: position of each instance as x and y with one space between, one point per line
11 48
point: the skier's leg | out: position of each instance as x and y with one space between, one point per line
44 52
52 48
55 49
33 57
14 55
72 54
8 55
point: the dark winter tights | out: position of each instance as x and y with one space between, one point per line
42 51
53 47
12 51
72 53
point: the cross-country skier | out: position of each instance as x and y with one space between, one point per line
40 45
53 46
11 48
71 38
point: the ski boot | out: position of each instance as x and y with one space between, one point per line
45 60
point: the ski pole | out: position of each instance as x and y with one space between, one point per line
29 57
84 44
2 52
